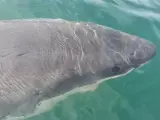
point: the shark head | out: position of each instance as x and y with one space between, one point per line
125 52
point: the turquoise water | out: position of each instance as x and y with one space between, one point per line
135 96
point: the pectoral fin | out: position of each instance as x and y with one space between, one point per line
27 107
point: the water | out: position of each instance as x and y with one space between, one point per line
132 97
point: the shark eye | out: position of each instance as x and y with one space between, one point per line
132 53
116 69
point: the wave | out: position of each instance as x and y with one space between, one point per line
143 8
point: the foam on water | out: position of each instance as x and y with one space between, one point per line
99 2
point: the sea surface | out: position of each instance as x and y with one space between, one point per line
135 96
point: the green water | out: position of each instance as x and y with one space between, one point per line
135 96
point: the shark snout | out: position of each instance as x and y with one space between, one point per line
144 53
150 50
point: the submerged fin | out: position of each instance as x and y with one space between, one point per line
27 107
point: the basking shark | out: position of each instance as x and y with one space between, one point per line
44 58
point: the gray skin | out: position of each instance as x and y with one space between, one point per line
43 58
